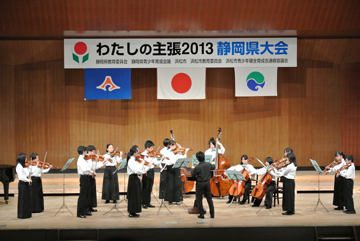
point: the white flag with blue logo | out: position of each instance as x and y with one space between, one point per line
255 82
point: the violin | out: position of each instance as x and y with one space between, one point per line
95 157
180 150
154 154
30 163
334 163
117 153
282 163
343 167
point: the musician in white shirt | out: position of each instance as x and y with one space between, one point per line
163 172
349 175
212 149
24 203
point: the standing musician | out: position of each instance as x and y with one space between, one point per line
84 170
162 187
110 190
24 201
348 173
251 170
203 174
270 188
212 149
338 199
37 196
135 171
289 173
173 191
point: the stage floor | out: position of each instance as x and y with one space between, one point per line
225 216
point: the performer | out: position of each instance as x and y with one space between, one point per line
203 174
212 149
173 192
84 170
163 171
36 188
289 173
24 201
349 176
110 190
338 198
251 170
270 188
135 171
288 150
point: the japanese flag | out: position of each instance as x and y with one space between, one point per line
181 84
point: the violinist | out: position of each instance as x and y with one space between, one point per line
251 170
24 201
338 198
148 179
36 189
110 189
270 188
289 173
135 171
348 173
212 149
173 191
163 173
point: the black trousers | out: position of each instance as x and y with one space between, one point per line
348 194
289 195
162 184
147 185
83 204
246 192
37 196
24 200
110 184
173 192
93 201
203 189
338 199
269 195
134 194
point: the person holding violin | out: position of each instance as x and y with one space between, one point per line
338 198
110 189
212 151
348 173
36 189
288 171
271 187
202 172
173 190
24 198
148 179
163 173
135 171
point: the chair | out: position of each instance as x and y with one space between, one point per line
255 180
278 190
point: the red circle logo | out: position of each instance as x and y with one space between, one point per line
181 83
80 48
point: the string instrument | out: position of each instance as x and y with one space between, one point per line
220 182
46 165
238 188
95 157
116 153
154 154
30 163
343 167
186 185
334 163
282 163
259 190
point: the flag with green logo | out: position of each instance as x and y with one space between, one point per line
255 82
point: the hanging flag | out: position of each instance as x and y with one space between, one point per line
181 84
107 84
255 81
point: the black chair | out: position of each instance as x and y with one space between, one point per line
278 190
254 182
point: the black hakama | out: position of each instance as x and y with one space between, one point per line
147 185
84 196
93 201
134 194
110 189
24 200
173 191
348 194
162 186
37 196
289 195
338 199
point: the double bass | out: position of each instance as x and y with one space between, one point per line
238 188
220 183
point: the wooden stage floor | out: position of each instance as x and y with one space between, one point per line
225 216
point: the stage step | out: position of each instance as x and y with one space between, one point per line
336 233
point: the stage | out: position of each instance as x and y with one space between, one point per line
231 221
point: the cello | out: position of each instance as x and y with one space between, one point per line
220 183
187 185
238 188
259 190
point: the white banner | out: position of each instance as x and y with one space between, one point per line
180 53
255 82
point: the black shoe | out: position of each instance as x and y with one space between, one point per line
93 210
242 202
114 201
134 215
81 216
201 216
254 205
144 206
228 202
107 201
170 203
150 206
212 216
288 213
88 213
350 212
339 208
268 207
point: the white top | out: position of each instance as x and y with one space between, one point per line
133 167
348 173
338 166
288 172
83 166
164 150
115 160
263 170
149 159
212 152
37 171
172 157
22 172
249 168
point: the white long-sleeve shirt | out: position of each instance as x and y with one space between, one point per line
348 173
83 166
172 157
133 167
152 160
37 171
212 152
22 173
288 172
263 170
337 167
115 160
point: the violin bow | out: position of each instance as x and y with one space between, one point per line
260 162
